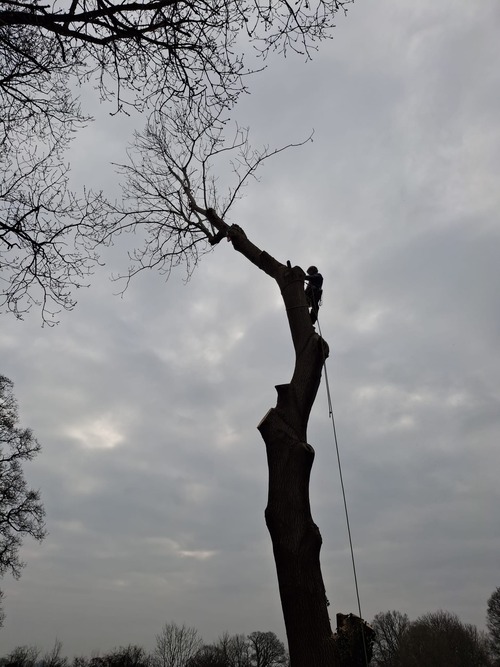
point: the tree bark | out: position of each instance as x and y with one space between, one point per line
296 538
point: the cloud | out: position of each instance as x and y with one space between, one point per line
152 472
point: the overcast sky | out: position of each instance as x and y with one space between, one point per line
152 472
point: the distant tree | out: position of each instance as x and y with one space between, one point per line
21 510
234 650
493 622
266 650
53 658
80 661
440 639
124 656
390 628
175 645
208 655
22 656
259 649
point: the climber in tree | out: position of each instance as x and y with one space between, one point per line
314 291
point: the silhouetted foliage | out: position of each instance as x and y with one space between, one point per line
390 628
208 656
234 650
47 233
259 649
175 645
493 622
80 661
124 656
53 658
22 656
442 640
266 650
436 639
439 639
21 510
142 55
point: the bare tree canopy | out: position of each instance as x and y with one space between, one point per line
390 628
438 638
175 645
53 657
141 55
266 650
493 621
23 656
162 48
21 512
183 176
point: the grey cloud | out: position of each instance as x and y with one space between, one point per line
152 471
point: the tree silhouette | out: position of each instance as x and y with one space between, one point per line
442 640
493 621
172 197
139 54
266 650
390 628
175 645
21 511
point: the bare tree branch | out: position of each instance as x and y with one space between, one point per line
150 55
171 195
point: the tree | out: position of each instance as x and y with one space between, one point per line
171 195
390 628
208 656
266 650
233 650
80 661
47 233
53 658
175 645
493 622
440 639
227 651
125 656
141 54
22 656
21 511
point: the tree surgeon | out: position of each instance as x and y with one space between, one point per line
314 291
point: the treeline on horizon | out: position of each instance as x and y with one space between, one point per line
436 639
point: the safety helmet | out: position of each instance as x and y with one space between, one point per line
312 269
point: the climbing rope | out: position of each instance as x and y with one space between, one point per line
348 523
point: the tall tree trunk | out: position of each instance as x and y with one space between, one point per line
296 538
